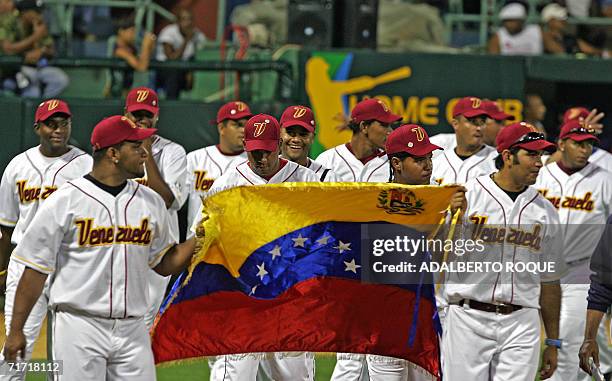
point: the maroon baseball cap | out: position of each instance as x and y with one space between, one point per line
261 132
576 131
494 111
49 108
575 113
116 129
234 110
522 135
298 116
409 138
373 109
142 98
469 107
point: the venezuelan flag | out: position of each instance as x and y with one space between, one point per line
280 270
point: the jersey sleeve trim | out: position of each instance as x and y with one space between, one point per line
8 223
43 269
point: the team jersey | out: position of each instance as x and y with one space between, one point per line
242 174
171 160
602 158
30 178
525 230
583 201
342 162
324 174
204 166
98 247
446 141
448 168
376 171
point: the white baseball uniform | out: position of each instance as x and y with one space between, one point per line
448 168
602 158
342 163
479 345
28 180
446 141
282 366
204 166
376 171
324 174
584 202
171 160
98 249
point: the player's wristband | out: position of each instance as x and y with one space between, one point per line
554 342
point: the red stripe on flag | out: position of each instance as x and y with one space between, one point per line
317 315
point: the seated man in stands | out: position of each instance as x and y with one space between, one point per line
25 33
125 48
178 41
514 37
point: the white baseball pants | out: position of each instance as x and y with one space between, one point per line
279 366
485 346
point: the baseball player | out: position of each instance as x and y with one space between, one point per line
599 299
96 237
591 119
165 173
28 180
370 122
471 157
209 163
264 166
493 124
409 161
297 134
582 193
492 327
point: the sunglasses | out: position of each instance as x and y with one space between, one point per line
529 137
582 130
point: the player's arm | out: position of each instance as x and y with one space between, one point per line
177 258
589 348
155 180
550 307
28 291
6 247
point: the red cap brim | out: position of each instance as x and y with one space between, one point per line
142 106
266 145
237 116
423 150
141 134
307 126
501 116
538 145
581 137
389 118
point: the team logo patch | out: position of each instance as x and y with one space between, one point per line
420 134
400 201
52 104
132 124
530 126
240 106
475 102
141 95
573 114
299 112
383 104
260 127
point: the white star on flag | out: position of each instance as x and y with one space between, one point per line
276 252
351 266
323 240
262 270
299 241
342 247
253 290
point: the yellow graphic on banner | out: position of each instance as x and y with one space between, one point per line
326 95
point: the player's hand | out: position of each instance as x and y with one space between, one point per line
149 40
592 121
14 346
549 362
588 349
458 200
147 144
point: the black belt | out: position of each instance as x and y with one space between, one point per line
503 309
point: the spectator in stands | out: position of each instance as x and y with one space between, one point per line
555 36
26 35
125 48
178 41
514 37
535 111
